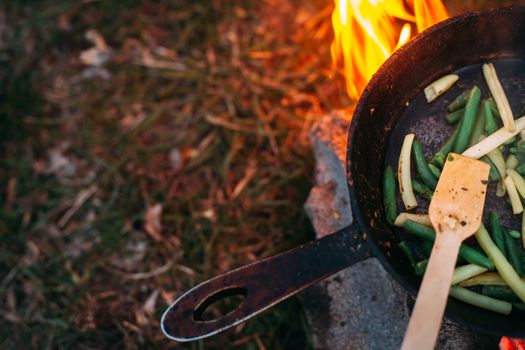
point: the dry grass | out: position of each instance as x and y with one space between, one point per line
184 155
181 155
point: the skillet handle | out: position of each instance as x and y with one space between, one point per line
262 284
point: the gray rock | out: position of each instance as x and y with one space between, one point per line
328 205
350 310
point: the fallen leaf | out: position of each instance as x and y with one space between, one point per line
148 308
59 164
141 318
168 297
248 175
81 199
11 313
209 214
176 159
32 253
130 326
149 305
97 55
133 117
94 57
152 224
96 39
95 72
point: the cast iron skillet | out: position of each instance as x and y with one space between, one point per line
456 43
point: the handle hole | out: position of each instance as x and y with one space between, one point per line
220 304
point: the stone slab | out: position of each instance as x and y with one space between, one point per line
361 307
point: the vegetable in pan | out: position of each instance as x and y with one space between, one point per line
417 218
490 276
454 117
404 177
485 302
389 194
440 86
490 123
499 95
468 120
470 254
421 165
459 102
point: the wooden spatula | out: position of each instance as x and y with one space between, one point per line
455 212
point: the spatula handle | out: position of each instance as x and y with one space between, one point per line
427 315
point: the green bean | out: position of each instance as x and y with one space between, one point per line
477 129
419 218
501 263
494 107
521 169
496 157
490 122
511 162
420 231
467 122
421 267
522 238
389 195
485 279
512 253
422 190
427 248
464 272
494 174
459 102
514 234
421 165
439 159
519 306
521 158
404 175
519 183
500 292
497 232
441 155
470 254
454 117
480 300
405 248
514 150
435 170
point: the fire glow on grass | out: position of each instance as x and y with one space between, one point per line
367 32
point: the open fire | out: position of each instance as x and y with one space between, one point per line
367 32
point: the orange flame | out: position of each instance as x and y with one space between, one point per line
367 32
